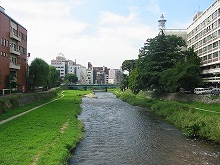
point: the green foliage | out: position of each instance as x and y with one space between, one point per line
71 78
128 65
45 135
124 82
133 81
53 77
10 103
157 55
129 97
192 122
38 72
185 74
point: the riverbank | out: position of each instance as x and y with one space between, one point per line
184 115
45 135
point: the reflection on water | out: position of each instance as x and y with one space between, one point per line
117 133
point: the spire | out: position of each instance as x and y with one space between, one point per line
162 22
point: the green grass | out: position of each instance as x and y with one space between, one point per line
45 135
211 107
192 122
16 111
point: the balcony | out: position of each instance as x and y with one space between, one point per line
13 66
212 79
213 71
14 51
15 36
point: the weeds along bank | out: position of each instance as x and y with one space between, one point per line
10 102
191 121
45 135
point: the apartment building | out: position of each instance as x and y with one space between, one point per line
89 76
100 75
13 54
204 35
114 76
65 66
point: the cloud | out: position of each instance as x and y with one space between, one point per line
52 28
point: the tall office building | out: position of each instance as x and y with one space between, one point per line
13 53
204 35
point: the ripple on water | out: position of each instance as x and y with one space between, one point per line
117 133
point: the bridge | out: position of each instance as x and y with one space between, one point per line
92 86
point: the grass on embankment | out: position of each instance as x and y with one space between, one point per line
21 109
45 135
192 122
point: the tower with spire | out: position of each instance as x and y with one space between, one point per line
162 22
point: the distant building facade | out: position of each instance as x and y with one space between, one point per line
203 34
65 66
89 74
100 75
13 53
114 76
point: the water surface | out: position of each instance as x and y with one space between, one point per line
117 133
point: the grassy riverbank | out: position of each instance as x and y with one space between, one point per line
191 121
45 135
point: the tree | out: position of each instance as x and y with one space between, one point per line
53 77
157 55
72 78
185 74
124 82
38 72
128 65
133 81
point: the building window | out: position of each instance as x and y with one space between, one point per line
2 41
215 44
215 54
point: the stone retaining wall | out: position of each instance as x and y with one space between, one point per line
10 102
185 97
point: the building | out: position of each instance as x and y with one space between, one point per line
13 54
65 66
89 74
100 75
114 76
203 34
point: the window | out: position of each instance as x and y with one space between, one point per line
7 43
210 47
215 54
210 56
214 34
214 15
2 41
215 44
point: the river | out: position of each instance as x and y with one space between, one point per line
117 133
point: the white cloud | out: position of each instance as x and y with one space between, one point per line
53 29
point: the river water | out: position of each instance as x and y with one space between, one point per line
117 133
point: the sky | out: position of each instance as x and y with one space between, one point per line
103 32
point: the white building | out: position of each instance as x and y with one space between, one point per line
114 76
65 66
204 35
